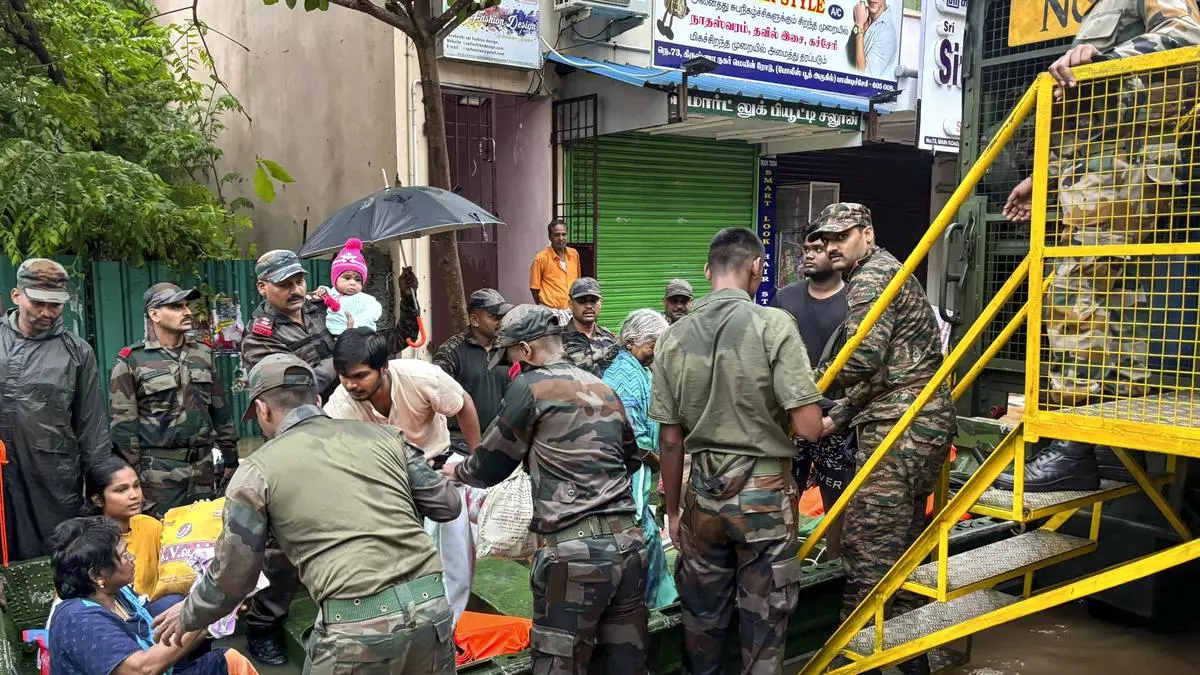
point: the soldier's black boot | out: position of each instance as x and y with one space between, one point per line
917 666
1062 465
266 648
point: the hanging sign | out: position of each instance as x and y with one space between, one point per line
767 168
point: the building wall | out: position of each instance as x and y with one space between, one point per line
319 89
523 192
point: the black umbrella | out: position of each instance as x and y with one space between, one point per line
396 213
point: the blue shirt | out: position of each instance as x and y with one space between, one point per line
631 382
90 639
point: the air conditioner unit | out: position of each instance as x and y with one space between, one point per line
609 9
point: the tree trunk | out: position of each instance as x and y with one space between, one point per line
439 176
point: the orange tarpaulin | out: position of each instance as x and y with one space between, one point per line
482 636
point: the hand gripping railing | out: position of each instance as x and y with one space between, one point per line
932 235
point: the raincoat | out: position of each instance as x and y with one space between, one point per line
631 382
53 423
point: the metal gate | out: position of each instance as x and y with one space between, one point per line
575 155
997 77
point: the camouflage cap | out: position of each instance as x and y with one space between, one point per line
274 371
678 287
585 286
44 280
275 266
839 218
167 293
524 323
489 299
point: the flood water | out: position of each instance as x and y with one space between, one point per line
1069 641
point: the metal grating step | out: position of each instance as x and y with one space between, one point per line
996 502
930 619
1001 561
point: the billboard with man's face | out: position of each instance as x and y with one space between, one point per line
839 46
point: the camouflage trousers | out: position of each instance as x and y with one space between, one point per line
173 478
589 605
887 514
416 641
737 549
1115 159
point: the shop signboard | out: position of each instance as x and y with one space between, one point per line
767 168
504 35
943 28
1033 21
840 46
720 105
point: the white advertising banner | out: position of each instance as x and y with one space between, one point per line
504 35
839 46
944 23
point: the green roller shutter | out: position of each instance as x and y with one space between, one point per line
661 199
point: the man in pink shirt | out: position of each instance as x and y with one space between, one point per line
415 397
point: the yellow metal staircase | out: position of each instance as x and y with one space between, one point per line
962 588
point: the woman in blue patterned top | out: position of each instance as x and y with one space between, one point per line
629 376
101 627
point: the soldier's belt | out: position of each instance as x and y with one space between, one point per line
388 601
177 455
592 526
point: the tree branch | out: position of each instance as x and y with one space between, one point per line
394 19
162 14
33 42
451 16
200 28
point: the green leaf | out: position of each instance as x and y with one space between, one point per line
270 2
277 172
291 4
263 187
310 5
323 5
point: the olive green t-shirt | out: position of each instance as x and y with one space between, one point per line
728 373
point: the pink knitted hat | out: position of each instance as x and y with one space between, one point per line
350 260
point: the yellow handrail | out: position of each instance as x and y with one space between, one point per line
933 234
943 372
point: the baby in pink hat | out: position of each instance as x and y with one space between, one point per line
349 275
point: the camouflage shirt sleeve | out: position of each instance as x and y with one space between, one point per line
435 498
223 423
506 443
239 551
1169 24
871 356
122 394
445 359
257 347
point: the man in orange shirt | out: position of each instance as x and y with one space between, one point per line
554 269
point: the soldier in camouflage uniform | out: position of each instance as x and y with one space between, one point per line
357 540
289 321
731 376
588 344
568 429
1116 170
882 378
168 407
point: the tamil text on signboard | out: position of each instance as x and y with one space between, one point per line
504 35
790 113
841 46
1032 21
